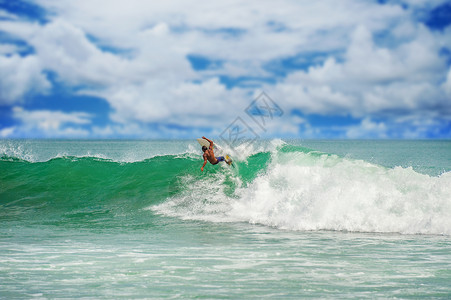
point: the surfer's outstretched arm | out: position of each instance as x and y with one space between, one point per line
211 142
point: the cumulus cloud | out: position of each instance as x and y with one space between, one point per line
51 123
447 84
376 61
20 76
367 129
8 49
371 80
65 49
8 131
7 16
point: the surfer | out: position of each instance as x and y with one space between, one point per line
210 155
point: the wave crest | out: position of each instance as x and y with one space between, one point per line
305 190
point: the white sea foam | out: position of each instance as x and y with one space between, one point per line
199 200
243 151
309 191
16 150
118 151
330 193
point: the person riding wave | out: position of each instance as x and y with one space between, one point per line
210 155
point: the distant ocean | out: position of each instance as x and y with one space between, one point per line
292 219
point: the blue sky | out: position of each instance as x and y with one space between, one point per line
183 69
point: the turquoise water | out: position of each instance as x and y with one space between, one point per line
292 219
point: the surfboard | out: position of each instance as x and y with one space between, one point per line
204 142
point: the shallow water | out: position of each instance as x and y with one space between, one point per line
294 219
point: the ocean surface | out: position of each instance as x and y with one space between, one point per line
291 219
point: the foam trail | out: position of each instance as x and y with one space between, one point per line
302 190
308 192
244 151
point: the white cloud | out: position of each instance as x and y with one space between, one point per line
186 104
8 131
6 15
447 85
148 78
367 129
8 49
65 49
371 80
287 125
181 27
51 123
19 76
21 29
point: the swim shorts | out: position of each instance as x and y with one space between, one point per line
220 158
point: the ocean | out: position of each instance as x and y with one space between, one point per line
292 219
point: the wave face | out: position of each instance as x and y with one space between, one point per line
283 186
88 191
295 188
305 191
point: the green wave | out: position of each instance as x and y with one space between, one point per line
95 189
87 189
91 191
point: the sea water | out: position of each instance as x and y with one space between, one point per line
291 219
